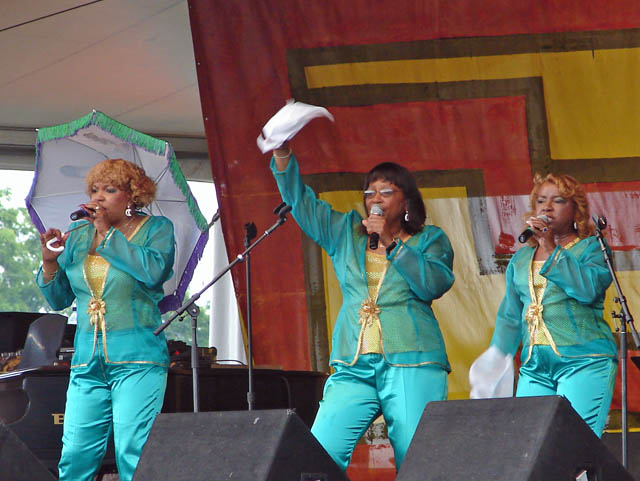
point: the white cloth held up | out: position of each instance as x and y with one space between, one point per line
287 122
491 375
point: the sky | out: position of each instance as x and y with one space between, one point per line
20 181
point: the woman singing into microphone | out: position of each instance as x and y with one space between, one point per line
387 350
555 290
114 268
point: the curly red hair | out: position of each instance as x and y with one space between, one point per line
126 176
570 189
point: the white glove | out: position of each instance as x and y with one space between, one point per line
491 375
287 122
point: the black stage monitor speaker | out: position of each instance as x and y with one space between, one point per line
17 462
510 439
269 445
614 442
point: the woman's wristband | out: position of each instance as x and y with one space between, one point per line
52 273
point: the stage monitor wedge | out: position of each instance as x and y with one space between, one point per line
508 439
265 445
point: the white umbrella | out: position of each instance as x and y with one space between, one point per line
65 154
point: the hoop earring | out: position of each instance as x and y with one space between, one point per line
406 216
128 211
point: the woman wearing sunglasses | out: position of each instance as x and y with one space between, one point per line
387 349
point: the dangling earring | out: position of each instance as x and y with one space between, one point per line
575 225
406 216
128 211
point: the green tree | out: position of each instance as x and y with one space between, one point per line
181 330
19 260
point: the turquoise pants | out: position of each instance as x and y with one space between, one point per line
354 396
586 382
123 398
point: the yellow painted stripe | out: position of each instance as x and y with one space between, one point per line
631 430
444 192
591 97
423 70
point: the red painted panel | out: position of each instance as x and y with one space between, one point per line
372 462
633 385
488 134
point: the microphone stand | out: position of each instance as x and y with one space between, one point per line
193 310
626 319
250 233
282 212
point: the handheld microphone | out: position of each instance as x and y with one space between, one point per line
374 237
528 232
79 214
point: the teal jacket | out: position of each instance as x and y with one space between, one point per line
420 271
138 268
577 279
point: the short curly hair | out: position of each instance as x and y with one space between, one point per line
570 189
126 176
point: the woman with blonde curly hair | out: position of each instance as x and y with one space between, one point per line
130 177
114 267
555 290
569 188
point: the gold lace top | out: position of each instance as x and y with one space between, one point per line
539 284
96 271
538 331
371 337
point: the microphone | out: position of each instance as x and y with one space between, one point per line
374 237
528 232
600 221
79 214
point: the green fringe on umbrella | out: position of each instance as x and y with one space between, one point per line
123 132
59 131
148 143
180 180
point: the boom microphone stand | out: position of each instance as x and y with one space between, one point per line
282 212
625 319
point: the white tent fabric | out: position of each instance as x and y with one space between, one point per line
225 330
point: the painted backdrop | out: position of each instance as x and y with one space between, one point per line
473 96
